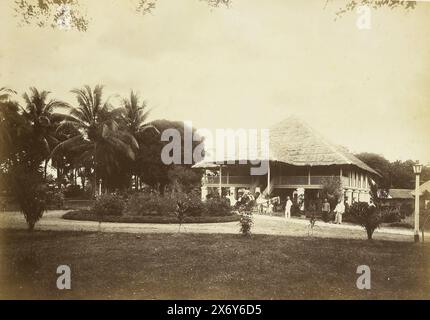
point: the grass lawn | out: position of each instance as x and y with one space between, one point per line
207 266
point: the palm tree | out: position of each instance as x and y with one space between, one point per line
94 131
134 115
5 94
40 113
133 118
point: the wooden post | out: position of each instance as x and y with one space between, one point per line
220 180
417 208
268 178
349 178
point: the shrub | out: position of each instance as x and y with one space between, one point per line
87 215
183 179
406 210
313 207
30 193
367 216
246 221
55 199
190 203
152 203
75 191
108 205
390 214
348 217
217 206
295 210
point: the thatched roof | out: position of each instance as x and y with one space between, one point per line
293 142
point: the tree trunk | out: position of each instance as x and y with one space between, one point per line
45 169
83 181
369 234
58 178
30 226
95 170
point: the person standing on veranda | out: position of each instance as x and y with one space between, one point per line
288 206
339 211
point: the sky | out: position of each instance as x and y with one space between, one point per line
246 66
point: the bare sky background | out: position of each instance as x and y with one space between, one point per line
248 66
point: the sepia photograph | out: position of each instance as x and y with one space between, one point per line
230 152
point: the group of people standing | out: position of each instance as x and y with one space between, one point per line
339 210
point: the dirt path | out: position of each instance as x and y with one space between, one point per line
52 220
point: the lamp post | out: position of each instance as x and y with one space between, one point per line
417 170
220 181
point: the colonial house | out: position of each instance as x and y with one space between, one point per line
300 162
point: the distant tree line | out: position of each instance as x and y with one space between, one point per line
396 174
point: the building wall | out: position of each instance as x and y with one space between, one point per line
355 182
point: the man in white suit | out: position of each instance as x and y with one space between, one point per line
288 206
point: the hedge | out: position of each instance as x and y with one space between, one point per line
86 215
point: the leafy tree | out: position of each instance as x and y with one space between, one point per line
332 190
45 13
397 174
149 165
380 164
96 135
48 13
352 5
185 178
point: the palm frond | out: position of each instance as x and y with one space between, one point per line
73 141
